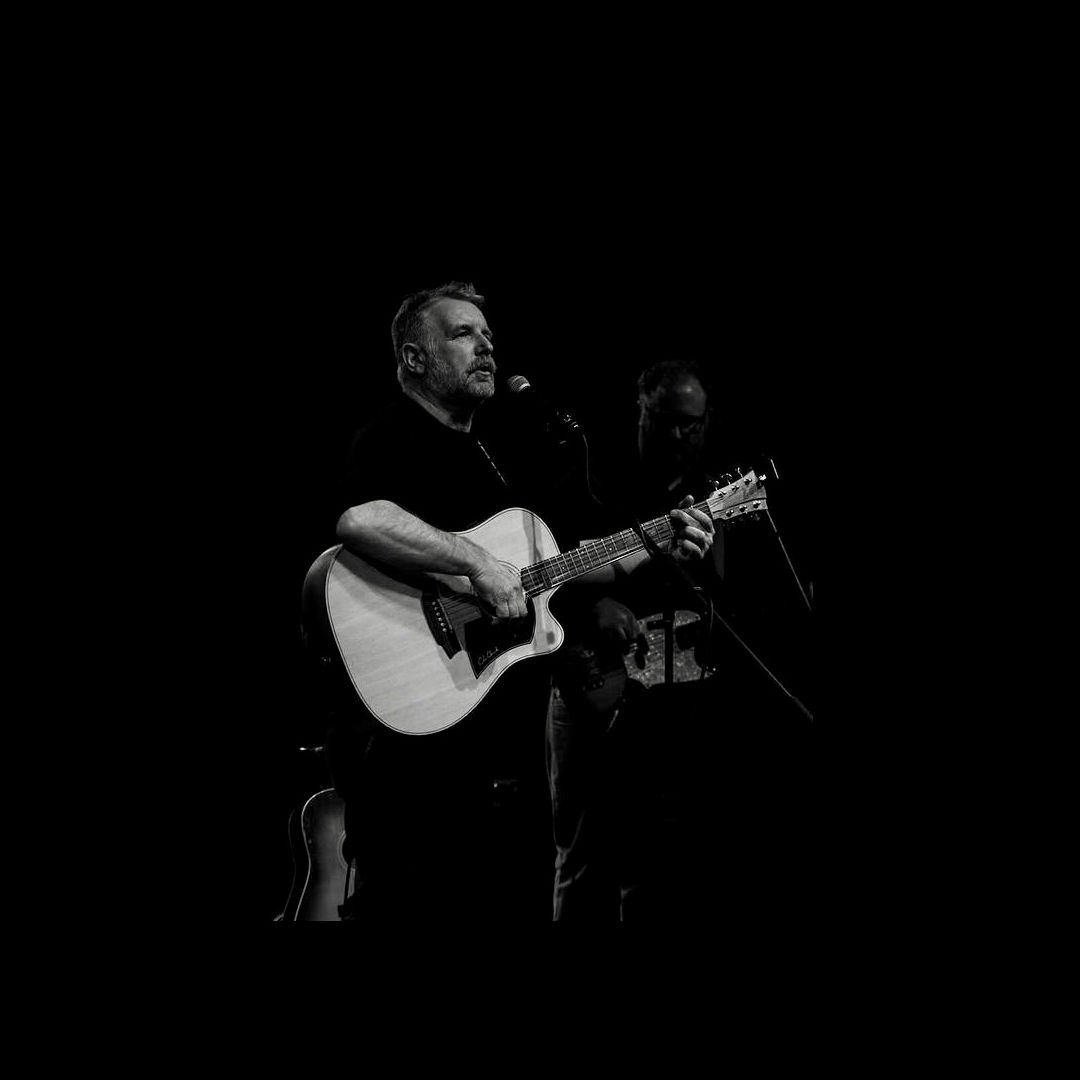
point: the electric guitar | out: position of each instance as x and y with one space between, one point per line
422 651
594 676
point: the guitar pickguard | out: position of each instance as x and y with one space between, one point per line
459 621
484 639
646 665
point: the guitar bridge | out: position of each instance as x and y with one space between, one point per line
442 630
468 627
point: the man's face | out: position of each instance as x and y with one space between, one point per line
461 356
672 425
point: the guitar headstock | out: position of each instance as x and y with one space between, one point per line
745 496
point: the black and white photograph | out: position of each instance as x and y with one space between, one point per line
522 577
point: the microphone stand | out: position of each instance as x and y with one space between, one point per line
700 601
780 541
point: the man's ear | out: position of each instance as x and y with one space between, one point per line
413 357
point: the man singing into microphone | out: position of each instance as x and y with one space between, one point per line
418 808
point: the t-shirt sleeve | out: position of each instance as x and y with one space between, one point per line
381 463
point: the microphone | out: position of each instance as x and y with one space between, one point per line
518 385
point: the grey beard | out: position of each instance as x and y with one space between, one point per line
443 381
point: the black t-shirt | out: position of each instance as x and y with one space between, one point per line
445 477
451 480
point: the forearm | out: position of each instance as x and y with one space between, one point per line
383 530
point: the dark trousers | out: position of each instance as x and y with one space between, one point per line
417 822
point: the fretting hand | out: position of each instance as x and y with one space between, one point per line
694 531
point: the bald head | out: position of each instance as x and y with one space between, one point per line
685 396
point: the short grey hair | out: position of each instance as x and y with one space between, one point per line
409 324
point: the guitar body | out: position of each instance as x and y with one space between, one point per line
320 872
646 665
418 648
595 677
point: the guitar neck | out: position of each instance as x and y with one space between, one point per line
542 576
745 495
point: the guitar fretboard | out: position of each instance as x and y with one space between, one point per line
743 496
592 555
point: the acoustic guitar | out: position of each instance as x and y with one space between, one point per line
321 874
422 651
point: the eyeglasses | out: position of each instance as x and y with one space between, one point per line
668 422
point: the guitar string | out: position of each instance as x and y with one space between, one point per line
660 526
541 581
545 575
